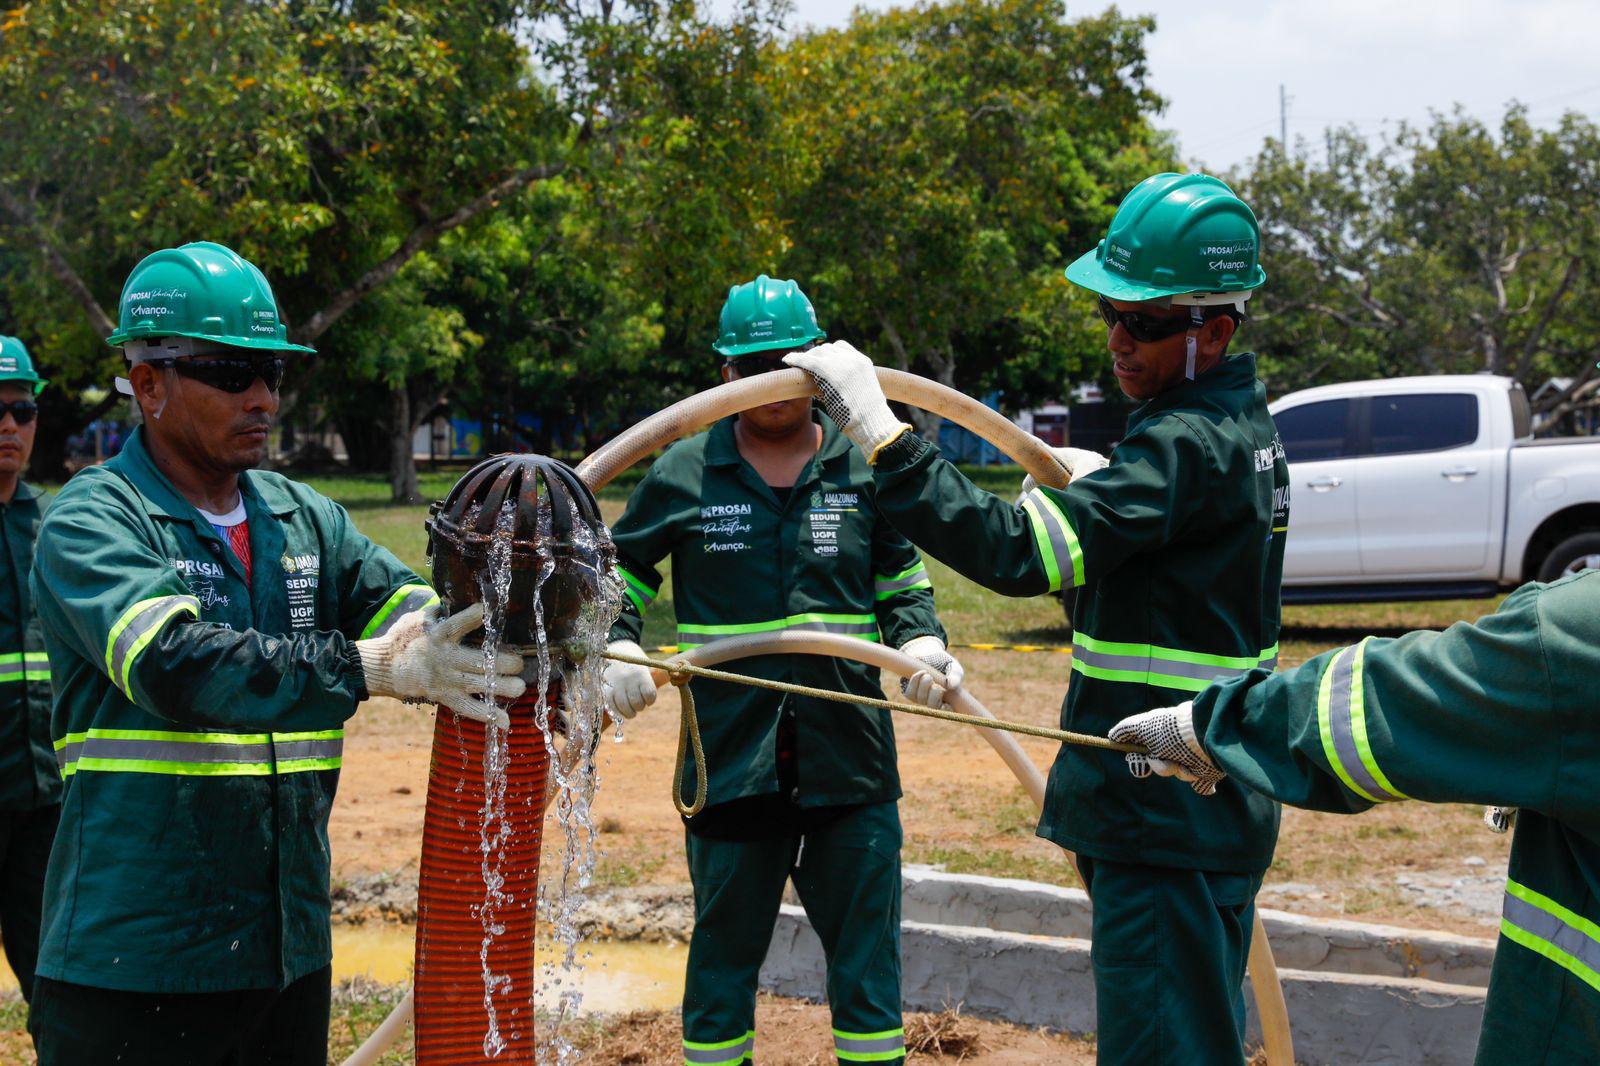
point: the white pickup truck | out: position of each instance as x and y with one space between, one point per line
1430 488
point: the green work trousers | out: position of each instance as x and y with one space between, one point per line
1169 952
74 1025
847 874
25 839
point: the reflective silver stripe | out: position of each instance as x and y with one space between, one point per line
693 638
287 750
68 753
733 1051
1146 664
1341 727
138 627
1551 929
848 1047
1060 545
173 751
883 586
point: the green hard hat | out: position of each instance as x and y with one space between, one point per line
1184 237
765 314
200 290
17 365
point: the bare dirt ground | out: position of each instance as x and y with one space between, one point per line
1406 864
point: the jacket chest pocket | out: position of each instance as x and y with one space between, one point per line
833 546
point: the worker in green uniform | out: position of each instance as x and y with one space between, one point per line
771 523
30 787
1498 712
1177 546
210 628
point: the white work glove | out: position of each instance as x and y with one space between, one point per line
423 658
1077 462
1174 749
847 384
920 687
629 689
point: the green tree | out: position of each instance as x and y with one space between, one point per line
959 156
330 143
1453 248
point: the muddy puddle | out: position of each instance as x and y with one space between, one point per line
616 976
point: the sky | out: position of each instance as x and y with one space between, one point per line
1370 63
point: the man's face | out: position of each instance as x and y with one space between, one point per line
771 419
1147 369
16 440
219 430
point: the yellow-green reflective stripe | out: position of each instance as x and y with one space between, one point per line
210 754
913 577
136 628
24 666
720 1052
410 597
869 1047
864 626
1151 664
641 594
1057 542
1558 933
1342 723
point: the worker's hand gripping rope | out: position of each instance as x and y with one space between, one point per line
1174 749
847 384
921 687
423 658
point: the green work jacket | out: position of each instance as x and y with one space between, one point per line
28 776
1501 713
1178 547
199 725
742 563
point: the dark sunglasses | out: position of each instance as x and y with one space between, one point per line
229 375
1142 327
24 411
746 366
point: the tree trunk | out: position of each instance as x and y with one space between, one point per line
925 423
402 463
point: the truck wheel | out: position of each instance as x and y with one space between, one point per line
1580 551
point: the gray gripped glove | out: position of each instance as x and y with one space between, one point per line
847 384
629 688
1175 751
423 658
1077 462
920 687
1500 819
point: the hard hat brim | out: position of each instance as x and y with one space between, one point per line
118 339
1087 272
35 380
777 344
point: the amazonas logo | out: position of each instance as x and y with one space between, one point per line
309 563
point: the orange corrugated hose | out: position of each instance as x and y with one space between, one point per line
451 1021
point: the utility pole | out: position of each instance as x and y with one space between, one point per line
1283 118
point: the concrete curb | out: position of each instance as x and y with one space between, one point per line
1299 942
979 942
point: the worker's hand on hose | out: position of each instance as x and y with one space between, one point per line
920 687
423 658
1175 751
847 384
629 688
1077 462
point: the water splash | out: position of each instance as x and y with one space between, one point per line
494 831
578 721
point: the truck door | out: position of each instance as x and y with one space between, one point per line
1318 441
1425 486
